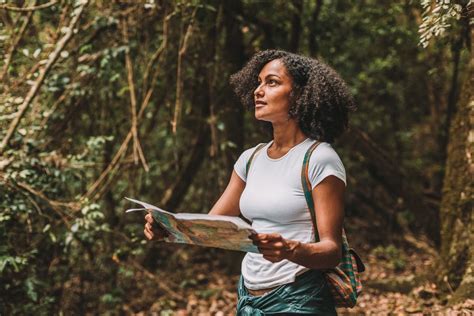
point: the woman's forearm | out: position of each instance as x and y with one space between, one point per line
324 254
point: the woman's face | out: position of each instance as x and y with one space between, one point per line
272 96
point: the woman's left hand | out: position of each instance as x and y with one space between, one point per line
274 247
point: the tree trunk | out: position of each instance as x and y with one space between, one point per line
296 27
313 41
234 52
457 216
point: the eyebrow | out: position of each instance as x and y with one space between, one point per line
270 75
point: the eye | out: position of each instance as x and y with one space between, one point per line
272 82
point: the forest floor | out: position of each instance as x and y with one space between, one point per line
193 281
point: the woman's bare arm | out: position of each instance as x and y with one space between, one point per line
228 203
329 206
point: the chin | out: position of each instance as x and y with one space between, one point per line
261 117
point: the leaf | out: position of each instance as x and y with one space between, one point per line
46 228
30 290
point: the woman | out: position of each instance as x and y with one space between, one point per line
305 101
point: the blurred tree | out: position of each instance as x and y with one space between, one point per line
453 20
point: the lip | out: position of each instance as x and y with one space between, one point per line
260 103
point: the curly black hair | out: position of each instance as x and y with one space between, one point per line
320 99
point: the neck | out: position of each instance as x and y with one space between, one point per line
287 134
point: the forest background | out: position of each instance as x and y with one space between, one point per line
105 99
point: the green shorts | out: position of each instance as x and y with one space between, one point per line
308 295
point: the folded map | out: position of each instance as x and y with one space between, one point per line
218 231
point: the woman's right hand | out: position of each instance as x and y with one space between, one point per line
152 230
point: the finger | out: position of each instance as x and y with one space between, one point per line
256 237
269 242
148 234
149 218
271 253
273 237
267 237
148 229
152 227
261 244
272 245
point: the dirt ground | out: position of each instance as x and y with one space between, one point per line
196 282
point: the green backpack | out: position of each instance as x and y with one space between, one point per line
343 280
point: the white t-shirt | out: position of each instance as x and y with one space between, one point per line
273 200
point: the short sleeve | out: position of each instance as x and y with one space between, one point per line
240 165
325 162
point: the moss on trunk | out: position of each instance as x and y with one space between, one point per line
457 236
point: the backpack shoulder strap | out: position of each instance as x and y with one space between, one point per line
257 149
307 187
344 280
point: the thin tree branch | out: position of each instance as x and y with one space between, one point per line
196 153
95 188
111 167
53 108
133 96
142 156
65 9
14 45
158 53
115 163
26 76
28 9
213 80
179 80
111 177
43 72
57 206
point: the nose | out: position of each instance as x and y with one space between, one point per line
258 92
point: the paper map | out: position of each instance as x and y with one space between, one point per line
218 231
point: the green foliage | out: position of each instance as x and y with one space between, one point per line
66 245
438 18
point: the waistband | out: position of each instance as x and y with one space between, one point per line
309 294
